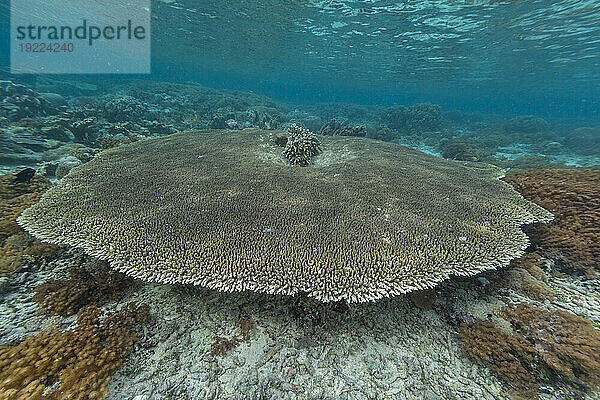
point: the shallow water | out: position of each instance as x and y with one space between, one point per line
509 83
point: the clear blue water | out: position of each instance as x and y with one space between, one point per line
505 57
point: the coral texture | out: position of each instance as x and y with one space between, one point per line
222 345
567 344
223 210
509 356
546 345
574 198
339 128
301 146
22 246
14 244
82 288
525 276
72 364
414 119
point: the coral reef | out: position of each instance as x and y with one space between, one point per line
574 198
301 146
342 128
567 345
15 197
414 119
82 288
368 220
458 150
76 363
14 243
526 124
22 246
585 140
110 142
509 356
17 101
124 108
545 346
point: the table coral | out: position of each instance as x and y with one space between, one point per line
72 364
224 210
573 196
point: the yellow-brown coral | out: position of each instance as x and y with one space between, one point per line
225 210
573 196
81 360
14 243
22 246
222 345
545 345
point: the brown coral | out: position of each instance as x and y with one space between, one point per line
525 276
82 288
509 356
14 243
222 345
546 344
574 198
568 344
73 364
22 246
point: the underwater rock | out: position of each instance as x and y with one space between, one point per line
58 162
367 220
413 120
54 99
526 124
64 165
584 140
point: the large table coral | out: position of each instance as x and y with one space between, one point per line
225 210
